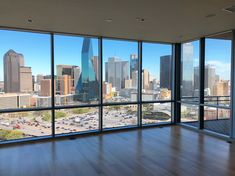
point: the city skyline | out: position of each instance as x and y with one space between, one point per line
37 47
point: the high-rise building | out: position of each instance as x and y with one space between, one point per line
133 64
135 79
187 68
196 81
107 90
64 83
165 72
128 83
88 87
145 79
76 75
210 77
45 87
116 72
64 70
12 63
26 79
39 77
221 88
95 62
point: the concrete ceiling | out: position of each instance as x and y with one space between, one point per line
164 20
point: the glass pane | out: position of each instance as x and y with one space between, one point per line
156 72
76 120
217 71
77 70
24 81
120 71
190 71
189 114
17 125
156 113
119 115
217 120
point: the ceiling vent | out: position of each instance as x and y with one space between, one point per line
230 9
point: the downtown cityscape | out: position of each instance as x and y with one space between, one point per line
78 84
27 83
216 83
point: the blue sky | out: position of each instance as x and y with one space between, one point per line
36 50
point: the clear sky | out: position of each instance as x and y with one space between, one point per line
36 50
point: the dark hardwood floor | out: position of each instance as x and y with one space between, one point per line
163 151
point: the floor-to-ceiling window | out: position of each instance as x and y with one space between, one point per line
25 85
157 71
217 83
214 74
120 83
55 84
76 70
190 83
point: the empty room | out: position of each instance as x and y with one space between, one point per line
117 88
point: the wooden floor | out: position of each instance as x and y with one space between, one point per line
163 151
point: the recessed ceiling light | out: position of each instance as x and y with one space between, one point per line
30 20
141 20
109 20
230 9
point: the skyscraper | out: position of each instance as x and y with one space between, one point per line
116 72
134 79
133 64
64 70
88 87
26 79
45 87
145 79
210 77
17 77
95 62
76 75
165 72
187 68
196 81
64 84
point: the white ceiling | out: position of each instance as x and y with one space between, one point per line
165 20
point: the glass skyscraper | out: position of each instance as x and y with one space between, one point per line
87 88
187 67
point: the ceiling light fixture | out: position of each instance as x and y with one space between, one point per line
109 20
230 9
140 20
30 20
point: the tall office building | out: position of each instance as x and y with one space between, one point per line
116 72
134 79
76 75
64 83
210 78
39 77
196 81
88 87
133 64
64 70
45 87
221 88
95 62
165 72
145 79
26 79
12 63
187 68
